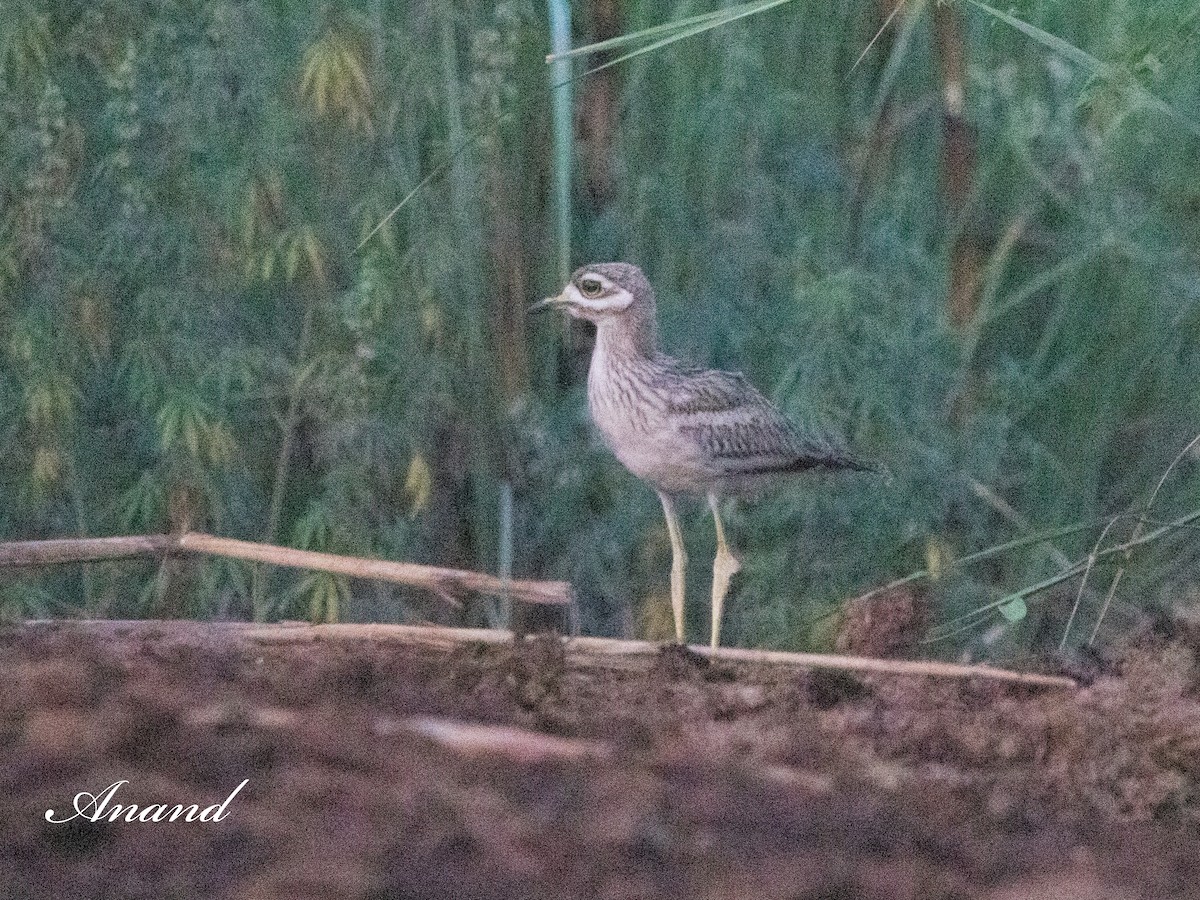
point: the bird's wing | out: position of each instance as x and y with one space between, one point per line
742 431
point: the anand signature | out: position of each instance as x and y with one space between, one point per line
102 807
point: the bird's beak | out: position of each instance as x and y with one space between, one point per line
548 303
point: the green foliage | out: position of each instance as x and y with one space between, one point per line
262 268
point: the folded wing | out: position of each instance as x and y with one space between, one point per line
743 433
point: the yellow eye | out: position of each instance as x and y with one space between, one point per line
591 287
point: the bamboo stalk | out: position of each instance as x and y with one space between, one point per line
445 583
74 550
903 667
609 647
605 653
563 132
440 581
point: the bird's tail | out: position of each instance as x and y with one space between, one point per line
817 449
836 458
830 460
854 463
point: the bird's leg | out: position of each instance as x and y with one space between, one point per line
725 566
678 563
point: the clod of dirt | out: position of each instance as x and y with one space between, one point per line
829 687
1168 627
676 662
888 624
1084 664
527 671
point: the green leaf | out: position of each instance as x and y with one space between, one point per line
1014 610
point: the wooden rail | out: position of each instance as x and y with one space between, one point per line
444 583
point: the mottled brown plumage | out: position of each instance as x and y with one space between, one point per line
683 430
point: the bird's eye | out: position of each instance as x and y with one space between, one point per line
591 287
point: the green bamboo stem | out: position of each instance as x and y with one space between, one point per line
560 87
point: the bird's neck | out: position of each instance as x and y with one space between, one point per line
632 335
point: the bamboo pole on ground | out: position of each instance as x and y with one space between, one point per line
593 652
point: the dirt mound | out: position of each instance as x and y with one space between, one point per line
379 770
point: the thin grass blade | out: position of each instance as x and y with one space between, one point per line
676 30
1091 64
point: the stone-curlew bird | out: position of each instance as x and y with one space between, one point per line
683 430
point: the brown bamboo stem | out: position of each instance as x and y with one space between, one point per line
440 581
75 550
445 583
583 651
959 162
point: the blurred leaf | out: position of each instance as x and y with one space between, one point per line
47 465
24 43
314 530
334 81
1014 610
143 507
327 595
51 401
937 558
418 485
188 425
1092 66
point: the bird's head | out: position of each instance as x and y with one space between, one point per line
604 291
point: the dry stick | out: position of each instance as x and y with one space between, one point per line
521 744
608 648
74 550
959 161
442 582
433 578
605 652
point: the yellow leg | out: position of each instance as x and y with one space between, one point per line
678 563
725 566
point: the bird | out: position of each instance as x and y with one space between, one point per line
686 431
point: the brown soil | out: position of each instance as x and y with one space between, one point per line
670 778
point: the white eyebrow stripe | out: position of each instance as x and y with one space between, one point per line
622 300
